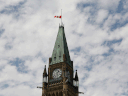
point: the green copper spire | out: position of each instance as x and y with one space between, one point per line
60 48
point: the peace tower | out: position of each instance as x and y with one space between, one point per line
60 81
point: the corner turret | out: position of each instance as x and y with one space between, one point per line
76 80
45 75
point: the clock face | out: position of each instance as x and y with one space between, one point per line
57 73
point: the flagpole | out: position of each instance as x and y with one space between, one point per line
61 17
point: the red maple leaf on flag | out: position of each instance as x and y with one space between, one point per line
57 16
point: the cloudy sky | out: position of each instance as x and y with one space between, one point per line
97 37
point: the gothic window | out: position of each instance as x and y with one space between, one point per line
63 73
55 54
59 57
68 76
60 94
54 58
53 94
56 93
58 46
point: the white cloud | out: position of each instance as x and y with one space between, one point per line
21 90
108 4
35 64
10 73
102 14
32 36
125 3
6 3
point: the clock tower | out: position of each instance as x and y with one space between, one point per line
60 80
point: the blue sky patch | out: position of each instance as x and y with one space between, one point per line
4 86
15 9
89 68
19 64
120 7
77 49
1 32
8 46
118 25
109 52
109 43
12 9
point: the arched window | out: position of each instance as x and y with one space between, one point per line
54 58
57 94
55 55
53 94
60 93
59 55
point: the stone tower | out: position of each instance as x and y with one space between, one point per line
60 81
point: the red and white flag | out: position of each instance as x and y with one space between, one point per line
57 16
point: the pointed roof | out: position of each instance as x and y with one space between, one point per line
45 72
60 48
76 76
45 69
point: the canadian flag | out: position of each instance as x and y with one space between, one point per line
57 16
